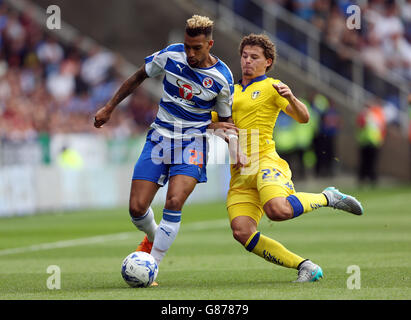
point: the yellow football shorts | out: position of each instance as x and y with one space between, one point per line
251 187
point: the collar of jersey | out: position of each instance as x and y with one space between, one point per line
256 79
206 68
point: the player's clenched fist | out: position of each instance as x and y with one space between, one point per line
102 116
283 90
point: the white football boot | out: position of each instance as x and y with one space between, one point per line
341 201
309 272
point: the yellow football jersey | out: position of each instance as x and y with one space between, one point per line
255 109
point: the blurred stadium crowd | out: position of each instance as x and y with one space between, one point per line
49 87
382 43
383 39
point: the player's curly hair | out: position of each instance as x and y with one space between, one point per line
262 41
197 25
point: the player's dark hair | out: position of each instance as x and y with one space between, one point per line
262 41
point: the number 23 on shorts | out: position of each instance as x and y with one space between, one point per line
196 158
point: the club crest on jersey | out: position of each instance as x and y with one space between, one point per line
255 94
208 82
186 91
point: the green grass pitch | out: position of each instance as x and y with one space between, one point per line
205 262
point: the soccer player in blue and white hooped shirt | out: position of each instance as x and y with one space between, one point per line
195 83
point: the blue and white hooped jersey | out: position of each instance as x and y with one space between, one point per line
189 94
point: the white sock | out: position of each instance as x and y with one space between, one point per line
146 223
166 233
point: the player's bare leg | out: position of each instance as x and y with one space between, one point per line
278 209
141 195
243 227
179 188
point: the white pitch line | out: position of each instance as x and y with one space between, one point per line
193 226
67 243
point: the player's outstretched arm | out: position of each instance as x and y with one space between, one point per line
103 114
296 109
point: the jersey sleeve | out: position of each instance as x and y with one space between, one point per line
279 101
225 100
154 64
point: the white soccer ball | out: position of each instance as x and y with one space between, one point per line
139 269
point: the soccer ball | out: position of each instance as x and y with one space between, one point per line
139 269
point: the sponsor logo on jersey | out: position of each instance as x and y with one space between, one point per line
186 91
208 82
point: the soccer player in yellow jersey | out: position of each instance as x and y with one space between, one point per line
264 185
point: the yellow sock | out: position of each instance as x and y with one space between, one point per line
272 251
305 202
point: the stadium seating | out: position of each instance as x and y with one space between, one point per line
48 87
